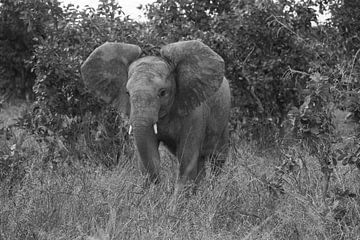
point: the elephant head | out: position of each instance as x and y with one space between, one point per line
153 89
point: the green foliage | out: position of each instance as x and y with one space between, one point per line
22 24
263 43
314 115
346 18
62 106
11 164
259 42
57 42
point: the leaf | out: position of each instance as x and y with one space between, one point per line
306 104
316 77
315 130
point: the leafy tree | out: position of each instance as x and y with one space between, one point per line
260 41
63 110
22 26
345 16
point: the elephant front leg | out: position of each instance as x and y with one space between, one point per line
191 164
188 165
189 148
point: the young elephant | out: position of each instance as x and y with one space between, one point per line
180 98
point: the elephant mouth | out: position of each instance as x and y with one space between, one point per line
154 127
162 114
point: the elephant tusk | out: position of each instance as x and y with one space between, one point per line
155 128
130 129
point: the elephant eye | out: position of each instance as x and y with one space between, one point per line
127 93
162 92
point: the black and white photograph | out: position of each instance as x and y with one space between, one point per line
180 119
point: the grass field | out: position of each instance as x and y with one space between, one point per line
263 194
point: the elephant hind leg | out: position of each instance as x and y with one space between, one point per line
201 170
219 155
217 161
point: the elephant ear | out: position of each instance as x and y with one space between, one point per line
199 72
105 71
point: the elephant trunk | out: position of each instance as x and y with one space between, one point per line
143 118
147 147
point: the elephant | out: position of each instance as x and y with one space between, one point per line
179 97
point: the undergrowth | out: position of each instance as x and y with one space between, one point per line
259 195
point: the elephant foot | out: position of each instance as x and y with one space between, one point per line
148 181
186 187
217 166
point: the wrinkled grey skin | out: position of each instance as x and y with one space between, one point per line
183 93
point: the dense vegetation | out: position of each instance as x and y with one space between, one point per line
66 161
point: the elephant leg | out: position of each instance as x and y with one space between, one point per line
188 164
189 158
190 143
201 171
220 154
217 161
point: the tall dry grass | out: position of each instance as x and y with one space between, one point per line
259 195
